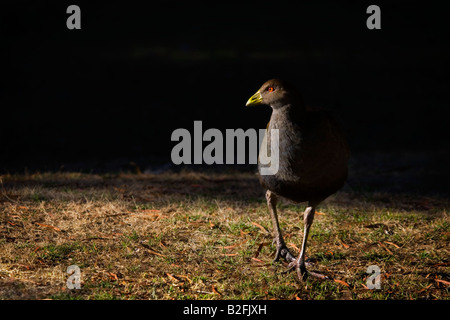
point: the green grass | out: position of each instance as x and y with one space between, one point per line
198 236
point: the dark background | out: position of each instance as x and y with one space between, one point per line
108 96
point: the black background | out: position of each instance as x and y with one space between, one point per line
136 71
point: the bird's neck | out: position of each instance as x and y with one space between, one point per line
291 113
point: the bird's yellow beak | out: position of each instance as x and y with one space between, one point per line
254 99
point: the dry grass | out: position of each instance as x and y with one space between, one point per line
207 236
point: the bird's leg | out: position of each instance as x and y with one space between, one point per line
282 250
299 263
308 218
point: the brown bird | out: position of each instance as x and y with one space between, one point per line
313 157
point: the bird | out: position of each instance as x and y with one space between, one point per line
313 157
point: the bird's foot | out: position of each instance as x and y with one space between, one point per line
302 273
282 252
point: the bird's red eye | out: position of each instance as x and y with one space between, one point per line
270 89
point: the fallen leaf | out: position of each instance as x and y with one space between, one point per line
184 277
441 264
235 245
113 276
364 286
195 223
171 277
243 233
427 287
261 245
346 246
342 282
150 210
151 251
257 260
442 281
382 245
48 226
259 226
230 254
294 246
321 213
393 244
156 253
149 216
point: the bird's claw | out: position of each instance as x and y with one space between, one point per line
302 272
299 267
282 252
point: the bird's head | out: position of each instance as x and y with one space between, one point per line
275 93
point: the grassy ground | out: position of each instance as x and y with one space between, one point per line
207 236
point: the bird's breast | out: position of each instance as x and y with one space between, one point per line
312 161
281 149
